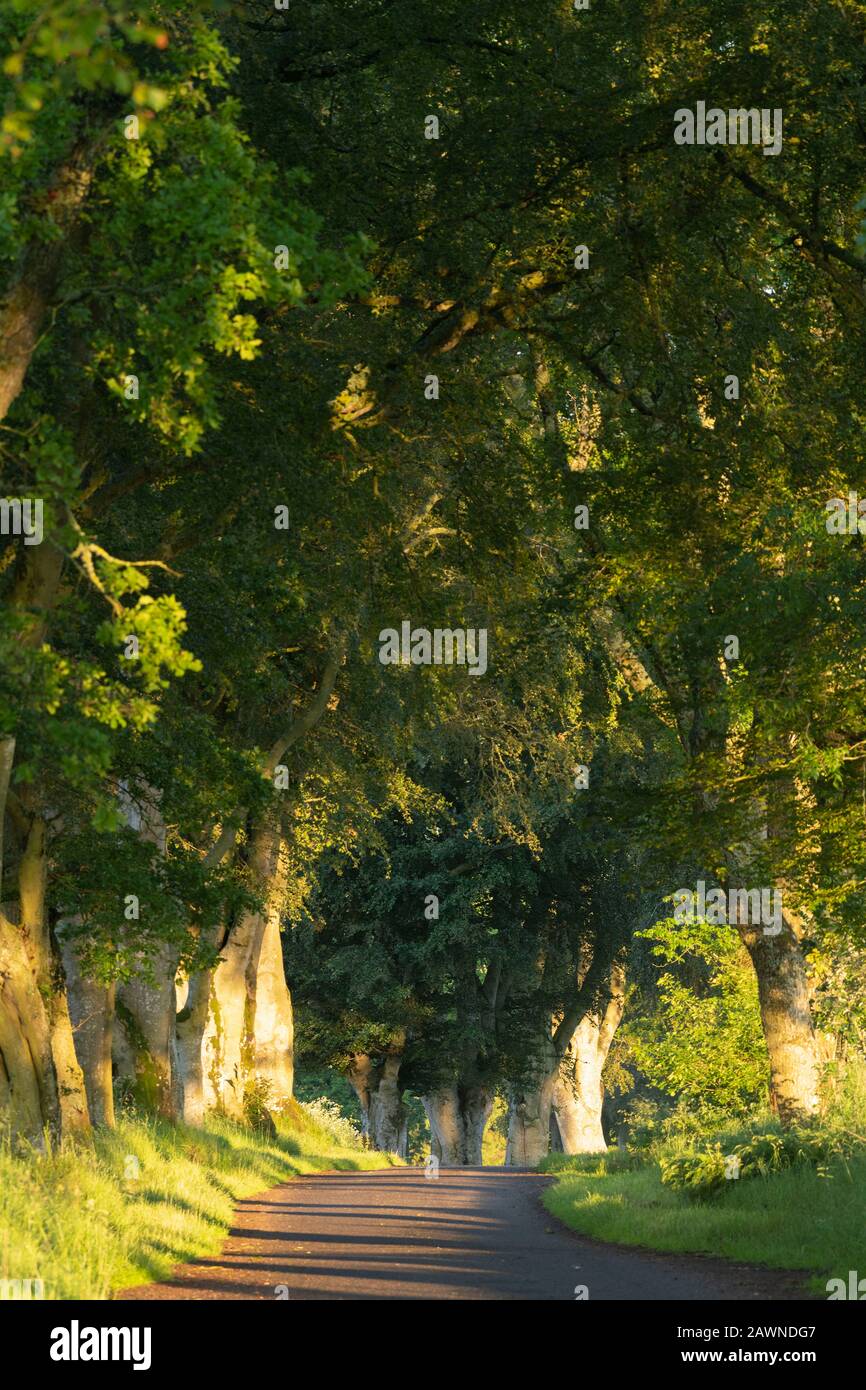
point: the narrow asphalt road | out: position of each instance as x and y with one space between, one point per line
472 1233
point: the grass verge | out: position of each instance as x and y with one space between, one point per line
128 1205
799 1218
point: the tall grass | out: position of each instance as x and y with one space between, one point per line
128 1205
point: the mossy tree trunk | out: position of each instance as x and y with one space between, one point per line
235 1032
786 1016
376 1082
563 1090
458 1116
41 1078
91 1009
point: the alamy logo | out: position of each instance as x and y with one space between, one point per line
743 126
76 1343
22 516
846 518
753 905
855 1289
444 646
17 1289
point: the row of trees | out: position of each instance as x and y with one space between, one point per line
504 357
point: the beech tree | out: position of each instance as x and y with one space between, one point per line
699 351
321 321
127 358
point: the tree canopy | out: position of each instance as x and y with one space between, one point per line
324 322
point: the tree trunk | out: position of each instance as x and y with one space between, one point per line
146 1048
7 760
578 1091
28 1083
217 1039
384 1122
359 1074
577 1102
145 1044
41 1082
529 1119
40 1078
458 1116
91 1009
229 1038
273 1020
198 1080
47 968
783 995
25 303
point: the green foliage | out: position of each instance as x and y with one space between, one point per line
256 1104
651 1124
327 1114
75 47
705 1172
300 386
699 1174
701 1039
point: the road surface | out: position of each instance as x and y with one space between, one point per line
471 1233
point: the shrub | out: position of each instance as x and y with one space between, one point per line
702 1042
327 1114
256 1102
704 1172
